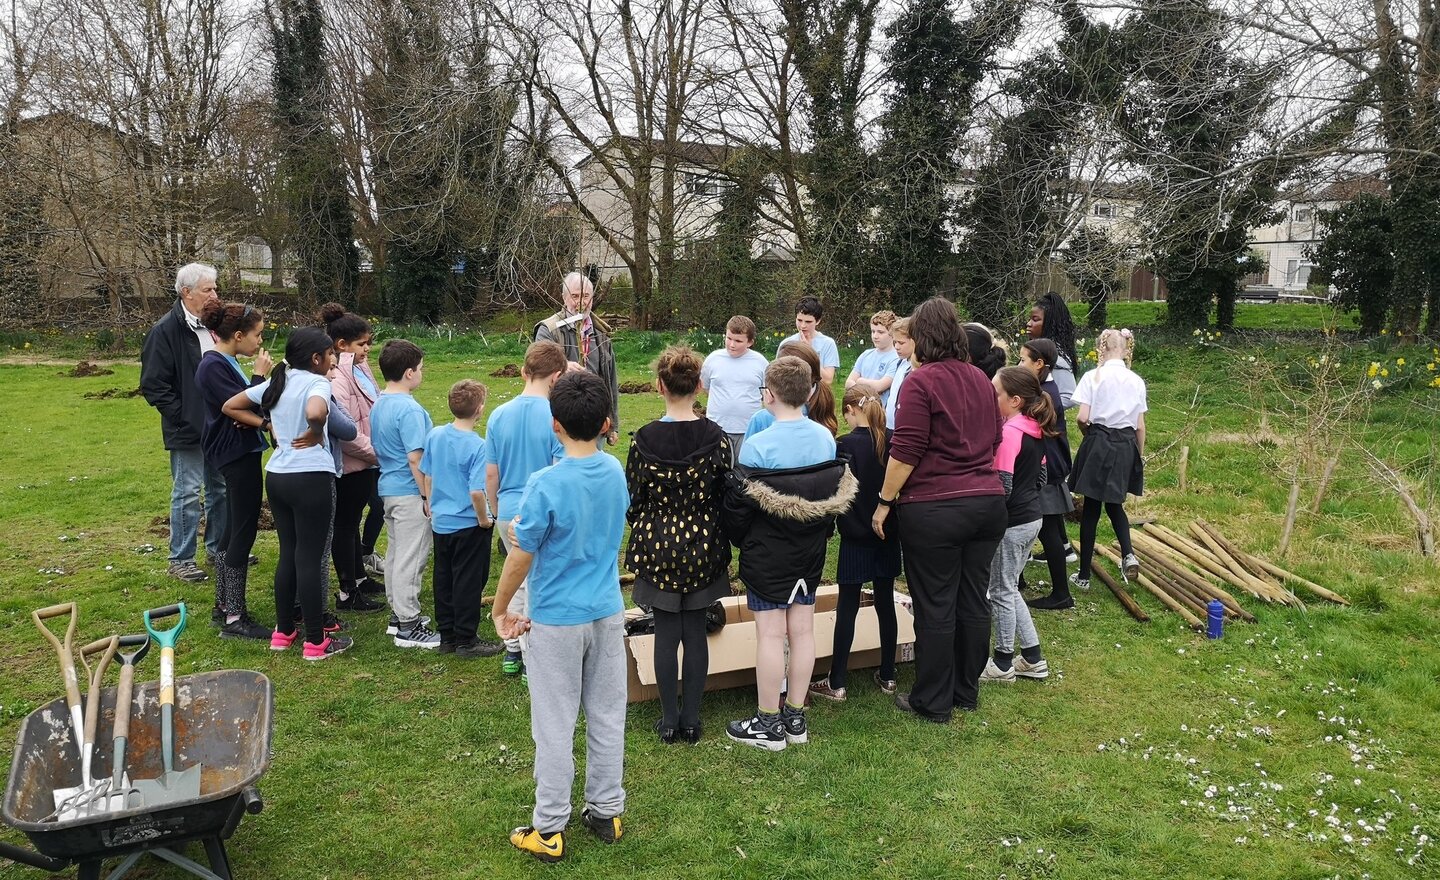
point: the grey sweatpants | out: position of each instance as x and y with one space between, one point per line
406 554
570 667
520 602
1011 614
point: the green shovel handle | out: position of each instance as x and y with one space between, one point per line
165 638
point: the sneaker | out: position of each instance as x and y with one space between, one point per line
886 685
252 560
370 587
1079 583
244 628
445 647
357 602
374 563
1130 567
824 691
478 648
608 828
763 732
331 625
418 635
545 847
188 572
690 735
279 641
1052 602
329 648
1070 557
217 617
995 673
393 626
513 663
796 730
1025 669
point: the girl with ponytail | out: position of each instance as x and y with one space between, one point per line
865 557
1020 459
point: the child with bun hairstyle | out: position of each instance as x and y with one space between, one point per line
1110 463
234 449
1038 356
986 353
1020 459
356 390
864 556
681 559
819 407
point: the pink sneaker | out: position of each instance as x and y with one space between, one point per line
329 648
279 641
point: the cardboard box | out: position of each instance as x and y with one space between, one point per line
732 649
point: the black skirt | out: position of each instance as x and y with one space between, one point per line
861 563
647 595
1108 466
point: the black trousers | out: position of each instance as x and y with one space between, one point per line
948 547
374 520
846 609
244 487
352 494
673 629
303 506
462 566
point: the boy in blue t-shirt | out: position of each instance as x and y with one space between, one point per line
453 467
520 440
566 538
398 426
875 368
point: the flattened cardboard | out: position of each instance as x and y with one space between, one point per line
732 649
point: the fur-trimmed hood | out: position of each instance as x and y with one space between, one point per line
801 494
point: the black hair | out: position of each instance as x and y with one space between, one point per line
398 357
809 305
984 353
341 324
226 319
300 351
580 402
1059 328
1042 350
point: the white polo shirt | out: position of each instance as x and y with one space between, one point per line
1115 394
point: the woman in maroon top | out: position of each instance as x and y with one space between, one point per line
951 510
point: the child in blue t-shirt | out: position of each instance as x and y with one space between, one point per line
566 539
453 467
398 426
875 368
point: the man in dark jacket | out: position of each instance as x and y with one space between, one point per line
586 346
167 379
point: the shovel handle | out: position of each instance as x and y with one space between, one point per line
165 638
95 678
65 648
124 694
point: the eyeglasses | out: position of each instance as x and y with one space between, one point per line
763 387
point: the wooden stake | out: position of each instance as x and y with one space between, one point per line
1313 587
1248 561
1204 560
1258 586
1290 510
1324 486
1162 556
1184 465
1124 598
1180 608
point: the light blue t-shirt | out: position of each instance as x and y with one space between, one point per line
892 401
732 388
288 422
571 517
876 364
520 440
790 444
764 419
398 425
454 460
824 347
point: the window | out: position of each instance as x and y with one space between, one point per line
701 185
1104 210
1303 213
1297 273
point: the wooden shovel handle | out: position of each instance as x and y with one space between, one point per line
64 648
96 680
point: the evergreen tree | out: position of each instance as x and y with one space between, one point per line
22 228
1356 256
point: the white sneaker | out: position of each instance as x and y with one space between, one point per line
1079 583
393 626
1025 669
995 673
375 564
1130 567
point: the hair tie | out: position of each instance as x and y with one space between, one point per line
1125 331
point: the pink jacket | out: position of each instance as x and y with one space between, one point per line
358 403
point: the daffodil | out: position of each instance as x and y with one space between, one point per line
1384 372
1399 362
1375 383
1374 368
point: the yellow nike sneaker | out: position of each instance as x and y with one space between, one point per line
545 847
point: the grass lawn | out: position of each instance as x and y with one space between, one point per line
1300 746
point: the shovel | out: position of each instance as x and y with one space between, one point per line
66 650
175 785
86 798
120 789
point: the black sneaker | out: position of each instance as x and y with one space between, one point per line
608 828
371 587
217 617
244 628
446 646
690 735
356 602
1052 602
761 731
331 625
478 648
796 731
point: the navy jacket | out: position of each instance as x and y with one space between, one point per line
220 439
167 379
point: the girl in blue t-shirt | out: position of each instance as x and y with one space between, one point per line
300 479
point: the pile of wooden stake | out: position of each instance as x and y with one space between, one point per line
1185 572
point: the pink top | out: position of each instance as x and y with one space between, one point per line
352 395
1016 427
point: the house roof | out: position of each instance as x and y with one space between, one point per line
1341 189
692 152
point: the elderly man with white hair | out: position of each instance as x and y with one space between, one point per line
586 347
167 379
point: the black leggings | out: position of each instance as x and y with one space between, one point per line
1053 539
352 493
845 611
244 487
673 629
374 521
1089 519
303 506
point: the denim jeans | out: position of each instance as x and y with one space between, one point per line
188 472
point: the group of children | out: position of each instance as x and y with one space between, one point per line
764 473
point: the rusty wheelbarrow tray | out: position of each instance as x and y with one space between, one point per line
223 720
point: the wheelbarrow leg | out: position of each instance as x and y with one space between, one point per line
219 861
120 870
89 870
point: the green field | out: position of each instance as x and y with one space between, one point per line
1301 746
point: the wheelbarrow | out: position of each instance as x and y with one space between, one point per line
223 720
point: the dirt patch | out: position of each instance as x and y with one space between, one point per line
636 388
509 371
110 393
37 360
1264 437
85 368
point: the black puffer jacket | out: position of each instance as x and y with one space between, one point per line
781 520
167 379
676 472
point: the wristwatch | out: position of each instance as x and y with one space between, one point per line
889 503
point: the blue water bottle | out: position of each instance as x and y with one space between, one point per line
1217 619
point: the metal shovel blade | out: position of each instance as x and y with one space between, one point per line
89 797
174 785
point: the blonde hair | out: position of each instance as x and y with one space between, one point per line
1115 343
